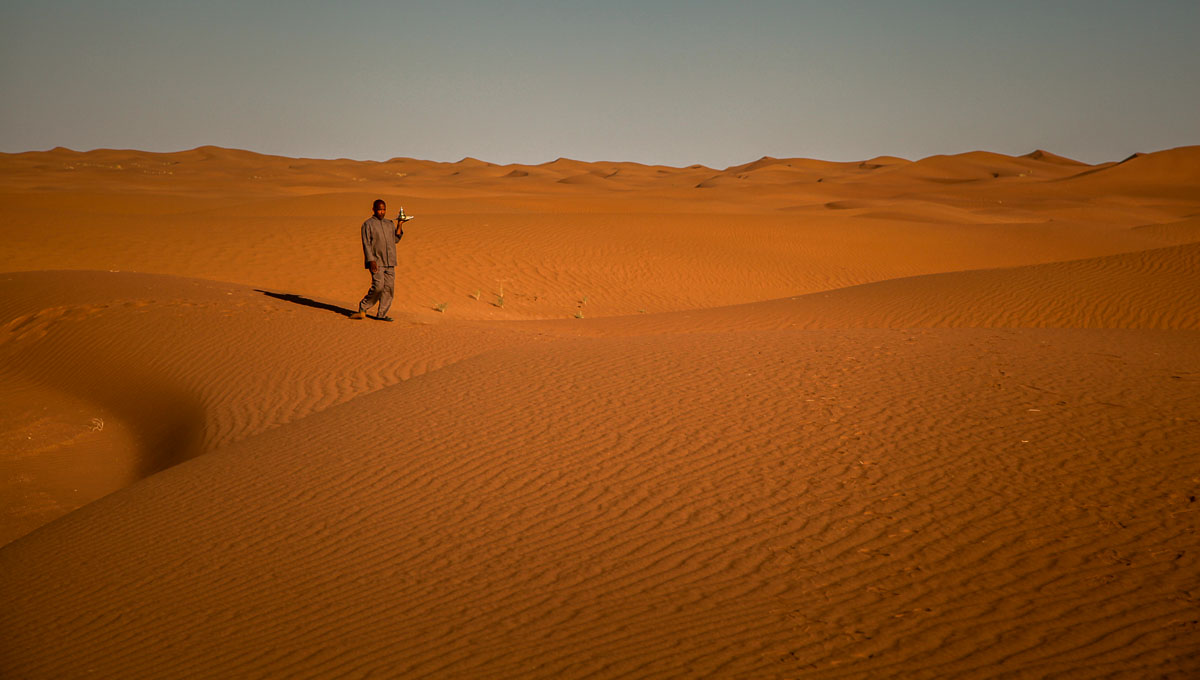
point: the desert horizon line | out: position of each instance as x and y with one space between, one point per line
472 159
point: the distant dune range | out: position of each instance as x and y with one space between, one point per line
794 418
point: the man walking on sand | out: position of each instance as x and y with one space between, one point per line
379 238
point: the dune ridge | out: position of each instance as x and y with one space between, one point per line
932 418
1151 289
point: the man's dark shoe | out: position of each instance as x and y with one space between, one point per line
383 318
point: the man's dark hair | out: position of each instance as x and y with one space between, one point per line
378 202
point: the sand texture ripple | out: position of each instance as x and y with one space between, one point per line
921 419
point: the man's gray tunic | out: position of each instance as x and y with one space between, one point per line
379 241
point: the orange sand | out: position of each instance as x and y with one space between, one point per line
790 419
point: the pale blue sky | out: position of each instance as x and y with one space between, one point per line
666 81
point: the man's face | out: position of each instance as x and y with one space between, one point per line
381 210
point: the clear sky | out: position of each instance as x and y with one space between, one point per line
654 81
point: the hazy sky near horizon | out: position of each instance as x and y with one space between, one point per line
666 81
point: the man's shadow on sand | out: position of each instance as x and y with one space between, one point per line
307 302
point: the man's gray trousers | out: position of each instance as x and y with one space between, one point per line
383 282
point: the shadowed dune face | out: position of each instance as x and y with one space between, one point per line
788 419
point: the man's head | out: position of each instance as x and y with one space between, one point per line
379 208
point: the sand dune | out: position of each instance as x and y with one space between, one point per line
805 528
182 361
933 418
1153 289
1046 156
1182 231
1171 172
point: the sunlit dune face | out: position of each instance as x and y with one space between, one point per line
779 420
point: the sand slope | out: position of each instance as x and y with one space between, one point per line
800 513
1151 289
918 419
